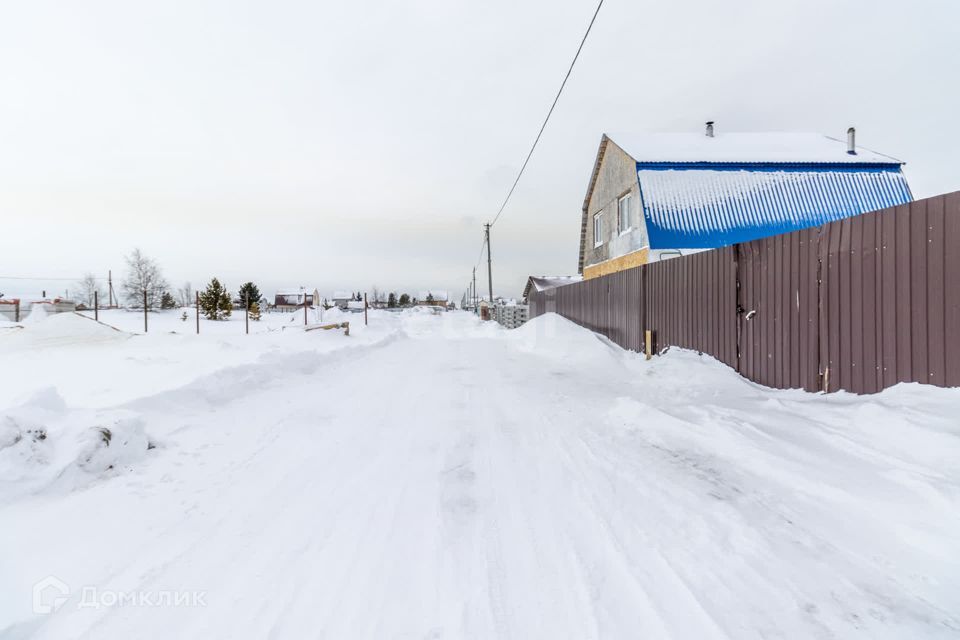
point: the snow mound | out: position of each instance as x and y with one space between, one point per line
38 313
113 444
65 328
43 444
553 336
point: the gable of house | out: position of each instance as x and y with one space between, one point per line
614 177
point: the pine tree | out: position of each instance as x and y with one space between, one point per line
404 299
392 300
252 293
255 311
167 301
215 301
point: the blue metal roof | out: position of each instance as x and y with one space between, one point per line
690 205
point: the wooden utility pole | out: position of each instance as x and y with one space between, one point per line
96 306
144 310
198 312
110 303
489 264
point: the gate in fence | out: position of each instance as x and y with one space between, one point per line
859 304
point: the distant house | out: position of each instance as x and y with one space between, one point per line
291 300
433 297
342 299
654 196
538 284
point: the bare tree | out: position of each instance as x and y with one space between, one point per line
375 294
143 275
186 295
88 286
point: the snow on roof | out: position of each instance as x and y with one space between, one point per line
293 292
743 147
438 296
706 208
343 295
543 283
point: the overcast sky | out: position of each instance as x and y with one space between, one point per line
345 145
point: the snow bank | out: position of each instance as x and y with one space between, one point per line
553 336
40 329
38 313
42 442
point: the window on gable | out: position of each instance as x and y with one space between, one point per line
597 229
623 214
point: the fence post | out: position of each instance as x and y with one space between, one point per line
246 311
144 310
197 307
16 310
648 343
96 306
365 309
304 309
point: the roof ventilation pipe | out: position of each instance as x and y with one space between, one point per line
852 141
710 128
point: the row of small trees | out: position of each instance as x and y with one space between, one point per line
403 301
215 302
143 283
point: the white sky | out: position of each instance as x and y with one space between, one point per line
345 145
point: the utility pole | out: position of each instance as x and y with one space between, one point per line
110 303
489 264
473 291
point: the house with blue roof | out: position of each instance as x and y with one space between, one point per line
654 196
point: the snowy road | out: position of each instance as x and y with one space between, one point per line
443 479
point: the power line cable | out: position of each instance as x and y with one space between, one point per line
39 279
549 113
483 244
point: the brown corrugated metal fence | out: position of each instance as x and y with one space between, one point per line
860 304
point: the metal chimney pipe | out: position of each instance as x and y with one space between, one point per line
852 141
710 128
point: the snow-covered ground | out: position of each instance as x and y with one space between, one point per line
430 476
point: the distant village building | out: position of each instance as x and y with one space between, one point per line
655 196
433 297
342 299
291 300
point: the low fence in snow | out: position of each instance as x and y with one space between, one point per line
858 304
